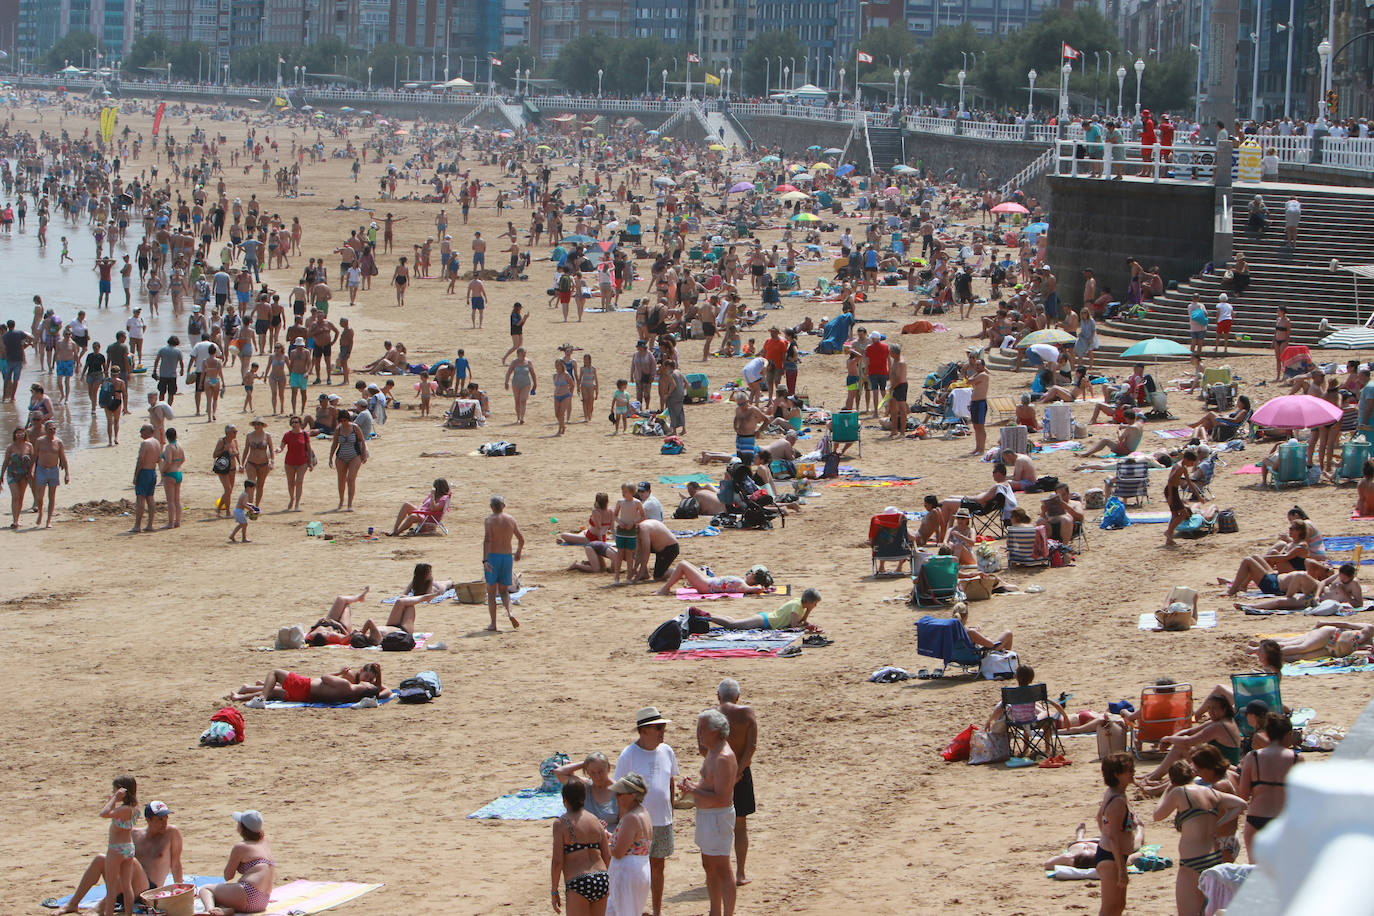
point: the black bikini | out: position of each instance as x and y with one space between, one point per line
1256 820
592 885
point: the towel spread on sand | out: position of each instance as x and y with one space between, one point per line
691 594
1206 620
1069 445
735 644
709 531
1181 432
437 599
1147 516
297 897
681 480
1316 666
527 805
1345 543
97 893
284 704
1069 873
1248 469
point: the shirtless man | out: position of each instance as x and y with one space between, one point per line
145 477
320 295
1301 591
898 408
933 526
498 563
714 795
979 380
298 296
52 460
654 538
477 299
157 854
743 739
747 422
479 253
1127 437
1023 475
345 341
708 501
323 334
262 321
298 364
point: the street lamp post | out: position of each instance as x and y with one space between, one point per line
369 79
599 74
1120 87
962 75
1030 93
665 84
1324 52
896 80
1139 72
906 85
767 77
729 81
842 73
647 90
1197 86
786 72
791 69
1254 76
1067 70
226 74
1097 77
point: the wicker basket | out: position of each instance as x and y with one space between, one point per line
172 899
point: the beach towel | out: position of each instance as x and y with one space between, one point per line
1066 446
526 805
303 897
284 704
681 480
97 893
1248 469
1069 873
1181 432
734 644
1147 516
878 482
709 531
691 594
1357 517
437 599
1206 620
1344 543
1318 666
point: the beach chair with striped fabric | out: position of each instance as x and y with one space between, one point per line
1005 407
1132 481
1021 543
1164 711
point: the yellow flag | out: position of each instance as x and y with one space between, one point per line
712 80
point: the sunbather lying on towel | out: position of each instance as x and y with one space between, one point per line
1127 438
347 686
1301 591
791 616
757 579
1082 852
1333 639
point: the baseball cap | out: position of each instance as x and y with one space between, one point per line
156 809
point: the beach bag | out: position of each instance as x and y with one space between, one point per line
223 463
421 688
783 468
398 641
698 621
1095 498
498 449
959 747
1111 738
832 466
998 665
989 747
292 637
688 508
106 396
672 445
1114 514
1226 521
667 637
1060 555
1176 617
548 782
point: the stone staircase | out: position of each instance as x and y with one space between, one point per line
886 148
720 128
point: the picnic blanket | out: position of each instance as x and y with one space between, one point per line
735 644
1181 432
437 599
286 704
681 480
298 897
526 805
97 893
1206 620
691 594
1147 516
1315 666
1069 873
1069 445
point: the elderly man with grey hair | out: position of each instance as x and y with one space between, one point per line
498 562
743 738
714 795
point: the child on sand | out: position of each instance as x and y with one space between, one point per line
620 406
122 811
243 511
629 512
249 374
426 392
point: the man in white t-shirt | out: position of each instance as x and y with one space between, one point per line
655 761
652 507
1225 312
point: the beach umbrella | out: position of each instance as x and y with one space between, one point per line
741 187
844 170
1047 336
577 240
1349 339
716 148
690 173
903 169
307 108
833 152
821 167
665 182
791 196
892 191
605 246
256 101
806 218
1296 411
345 108
796 167
543 147
803 176
654 132
1009 207
784 188
400 132
769 160
363 112
813 148
1156 347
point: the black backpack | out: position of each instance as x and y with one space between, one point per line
688 508
106 396
398 641
421 688
667 637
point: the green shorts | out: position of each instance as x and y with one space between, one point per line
299 380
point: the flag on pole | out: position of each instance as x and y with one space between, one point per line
712 80
1070 53
280 59
693 59
496 62
865 57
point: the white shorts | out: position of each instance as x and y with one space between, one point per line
715 832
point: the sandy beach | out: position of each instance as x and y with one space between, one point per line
121 647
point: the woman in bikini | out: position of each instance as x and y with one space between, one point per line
597 539
276 378
1331 639
300 457
1263 773
432 508
122 811
225 467
590 387
757 580
258 457
173 460
399 279
212 378
114 408
17 469
1199 812
336 627
562 395
348 685
581 854
347 454
521 382
251 860
1116 825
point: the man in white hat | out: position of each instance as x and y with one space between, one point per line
650 757
1225 314
157 854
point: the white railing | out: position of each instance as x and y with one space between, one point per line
1294 149
987 130
1349 152
1185 162
1029 173
928 125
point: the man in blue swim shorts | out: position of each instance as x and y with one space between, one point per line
145 476
498 562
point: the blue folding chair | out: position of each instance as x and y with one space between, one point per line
947 640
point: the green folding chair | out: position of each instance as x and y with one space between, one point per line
1255 686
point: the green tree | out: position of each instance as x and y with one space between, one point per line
761 60
68 50
191 60
148 50
890 44
388 63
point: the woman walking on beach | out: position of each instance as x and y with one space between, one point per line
17 469
226 462
347 454
521 381
590 386
257 457
300 457
517 331
562 395
173 460
399 279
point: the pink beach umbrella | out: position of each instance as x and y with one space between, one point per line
1296 411
1009 207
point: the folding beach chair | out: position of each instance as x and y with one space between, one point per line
890 542
1021 546
844 427
1291 469
937 583
432 518
988 520
947 640
1132 481
1256 686
1031 728
1164 711
1005 407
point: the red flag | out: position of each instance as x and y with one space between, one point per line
1070 53
693 59
157 118
865 57
496 62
